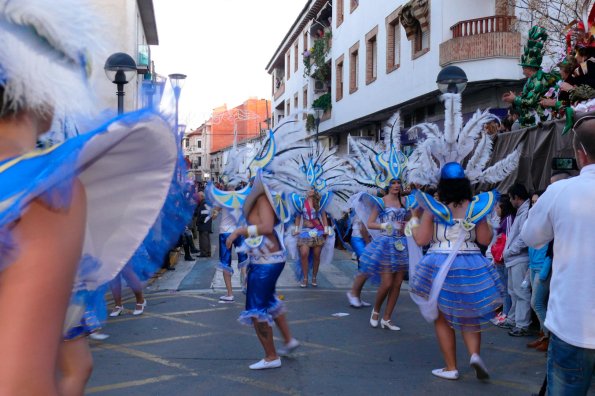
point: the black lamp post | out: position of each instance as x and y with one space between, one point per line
120 69
317 114
177 82
451 79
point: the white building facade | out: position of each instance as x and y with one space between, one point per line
385 55
196 146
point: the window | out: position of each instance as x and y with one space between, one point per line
393 41
340 12
371 55
287 108
353 5
305 38
199 162
295 57
339 76
295 104
288 65
305 102
353 67
186 143
421 41
198 144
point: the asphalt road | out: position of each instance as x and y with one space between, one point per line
187 343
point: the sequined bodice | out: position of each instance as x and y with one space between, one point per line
394 216
445 237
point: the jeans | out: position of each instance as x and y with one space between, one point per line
520 311
539 296
569 368
504 278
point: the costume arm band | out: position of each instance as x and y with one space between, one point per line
252 231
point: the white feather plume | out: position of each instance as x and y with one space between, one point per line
45 53
501 169
455 145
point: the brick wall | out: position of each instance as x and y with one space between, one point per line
222 131
481 46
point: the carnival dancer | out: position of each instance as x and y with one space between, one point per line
360 238
311 228
230 220
67 226
265 214
386 258
319 186
241 166
454 285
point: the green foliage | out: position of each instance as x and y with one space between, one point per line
317 54
323 102
310 123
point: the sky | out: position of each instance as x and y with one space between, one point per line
223 46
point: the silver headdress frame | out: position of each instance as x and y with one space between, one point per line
468 145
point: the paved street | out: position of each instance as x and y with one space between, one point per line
187 343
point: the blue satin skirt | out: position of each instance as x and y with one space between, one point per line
262 303
225 254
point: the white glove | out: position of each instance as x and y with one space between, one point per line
328 230
387 227
294 230
208 211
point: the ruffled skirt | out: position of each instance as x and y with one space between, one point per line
381 256
262 303
472 290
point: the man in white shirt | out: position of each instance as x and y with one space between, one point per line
565 212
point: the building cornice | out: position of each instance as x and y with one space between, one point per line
147 15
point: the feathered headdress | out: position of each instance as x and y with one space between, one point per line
457 144
242 164
321 170
377 164
47 54
581 32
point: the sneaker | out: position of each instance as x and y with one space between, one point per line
500 318
117 311
480 368
365 303
353 256
288 348
97 336
519 332
226 298
506 325
263 364
355 302
449 375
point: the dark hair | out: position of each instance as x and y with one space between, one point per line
454 191
584 135
584 51
506 208
568 64
519 190
513 111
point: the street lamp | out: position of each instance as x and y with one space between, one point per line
318 111
177 81
120 69
451 79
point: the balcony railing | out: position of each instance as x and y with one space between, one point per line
491 24
279 91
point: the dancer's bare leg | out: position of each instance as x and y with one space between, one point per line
134 283
76 364
446 340
316 251
393 294
472 341
265 336
227 280
304 254
358 285
385 285
281 322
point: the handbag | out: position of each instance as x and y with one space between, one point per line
498 249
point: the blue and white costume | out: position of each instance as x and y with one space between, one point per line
454 278
387 252
471 290
116 231
229 204
264 266
357 241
